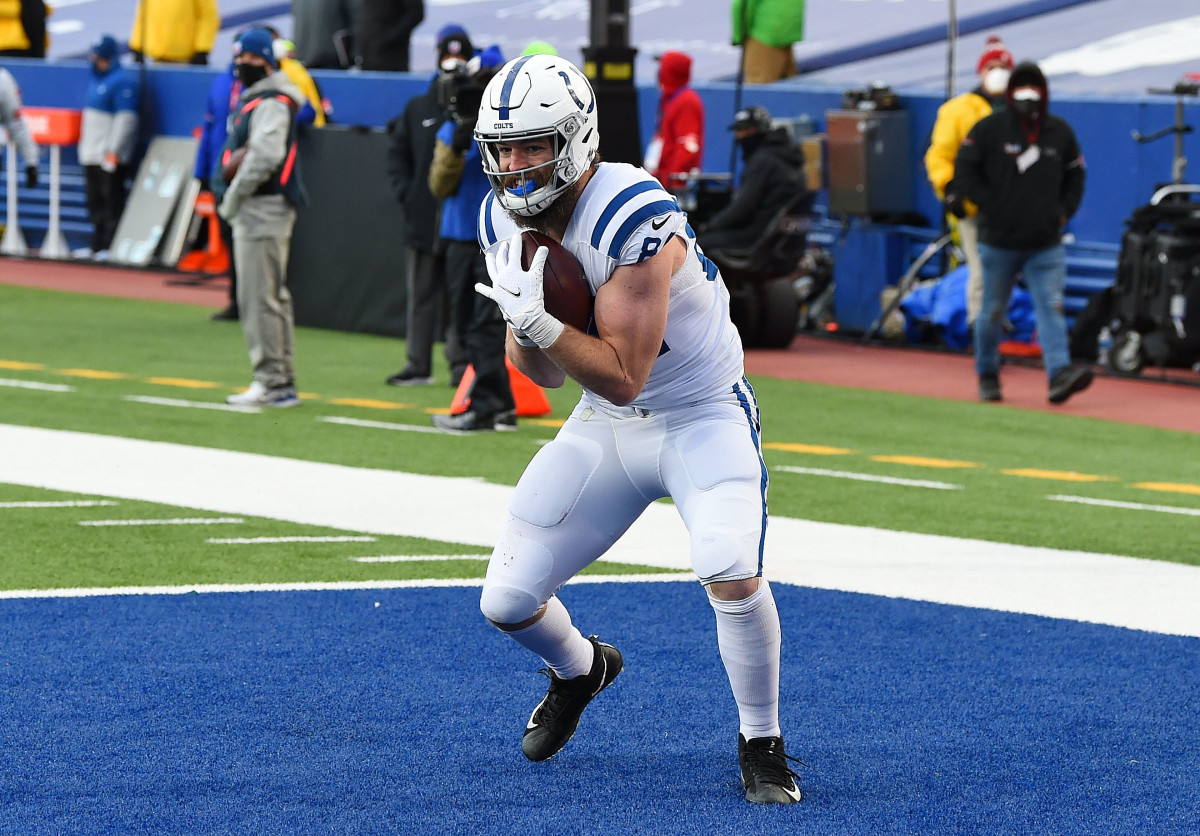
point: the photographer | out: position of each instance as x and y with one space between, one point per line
457 177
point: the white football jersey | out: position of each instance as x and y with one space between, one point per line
625 216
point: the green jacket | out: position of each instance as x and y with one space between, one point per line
772 22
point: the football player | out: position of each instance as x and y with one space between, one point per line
666 409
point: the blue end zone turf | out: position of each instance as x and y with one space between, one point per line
305 712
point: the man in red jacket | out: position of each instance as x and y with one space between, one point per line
678 142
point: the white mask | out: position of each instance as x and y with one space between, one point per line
995 81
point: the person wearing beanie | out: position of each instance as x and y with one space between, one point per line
955 118
678 143
409 157
107 135
258 190
457 177
1023 168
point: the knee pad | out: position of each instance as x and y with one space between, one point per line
507 605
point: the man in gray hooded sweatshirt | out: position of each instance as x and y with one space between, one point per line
258 193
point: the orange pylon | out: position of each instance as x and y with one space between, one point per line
214 258
530 398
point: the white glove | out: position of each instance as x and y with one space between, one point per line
519 293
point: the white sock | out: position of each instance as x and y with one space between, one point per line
553 637
749 638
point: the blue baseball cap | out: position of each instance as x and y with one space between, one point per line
105 47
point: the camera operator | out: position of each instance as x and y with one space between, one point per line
457 177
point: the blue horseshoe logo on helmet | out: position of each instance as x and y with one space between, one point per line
567 81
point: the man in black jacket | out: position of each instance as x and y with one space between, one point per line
773 177
408 161
1023 168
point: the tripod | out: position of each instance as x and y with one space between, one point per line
1189 86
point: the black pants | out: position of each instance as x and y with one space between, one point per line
481 328
105 202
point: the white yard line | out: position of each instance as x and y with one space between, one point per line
166 521
33 384
417 558
254 541
64 503
870 477
378 425
1132 506
1106 589
178 402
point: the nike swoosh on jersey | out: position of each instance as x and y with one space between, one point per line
659 224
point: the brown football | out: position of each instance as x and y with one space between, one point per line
229 170
568 295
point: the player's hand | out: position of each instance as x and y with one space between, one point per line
230 204
31 176
110 163
519 292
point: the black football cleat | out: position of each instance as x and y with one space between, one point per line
556 717
765 773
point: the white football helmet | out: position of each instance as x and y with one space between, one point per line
530 97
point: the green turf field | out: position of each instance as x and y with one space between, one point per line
143 369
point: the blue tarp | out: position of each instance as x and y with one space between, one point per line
941 307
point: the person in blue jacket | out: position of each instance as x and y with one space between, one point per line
107 137
223 95
456 176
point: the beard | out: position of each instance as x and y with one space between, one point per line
554 217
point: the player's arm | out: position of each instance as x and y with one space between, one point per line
631 317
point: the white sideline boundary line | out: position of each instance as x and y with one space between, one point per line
255 541
1081 586
313 586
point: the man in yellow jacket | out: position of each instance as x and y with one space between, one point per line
954 121
175 31
23 28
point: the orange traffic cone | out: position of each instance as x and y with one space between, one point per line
215 257
530 398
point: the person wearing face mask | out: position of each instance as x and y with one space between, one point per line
259 201
772 176
409 158
955 118
107 135
1023 168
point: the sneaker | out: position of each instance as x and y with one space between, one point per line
1069 380
765 773
408 376
229 314
259 395
101 255
989 387
81 252
467 422
505 421
556 717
